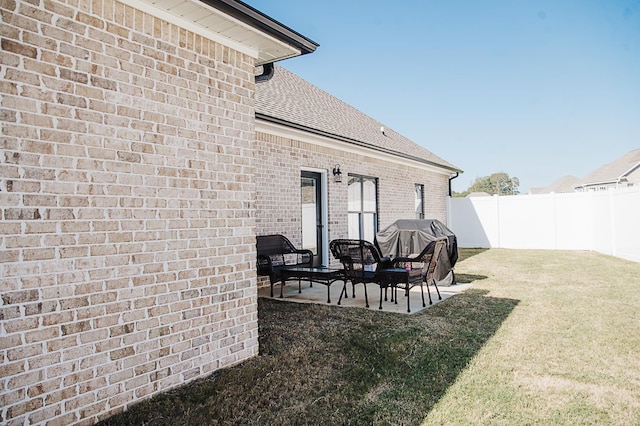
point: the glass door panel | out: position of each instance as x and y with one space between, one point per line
311 195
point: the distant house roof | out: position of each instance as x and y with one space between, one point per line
614 172
289 100
562 185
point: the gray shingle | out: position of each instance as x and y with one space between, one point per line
614 170
563 185
294 100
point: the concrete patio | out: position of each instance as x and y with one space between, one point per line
318 294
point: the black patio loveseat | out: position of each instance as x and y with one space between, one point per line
277 254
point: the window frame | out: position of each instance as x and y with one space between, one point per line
419 200
361 211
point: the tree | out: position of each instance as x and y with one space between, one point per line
498 183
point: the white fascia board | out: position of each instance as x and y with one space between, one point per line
158 12
631 169
596 183
326 142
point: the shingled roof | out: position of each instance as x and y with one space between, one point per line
563 185
290 100
613 172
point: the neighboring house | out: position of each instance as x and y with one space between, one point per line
128 193
563 185
621 173
139 161
303 134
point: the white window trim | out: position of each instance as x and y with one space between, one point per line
325 212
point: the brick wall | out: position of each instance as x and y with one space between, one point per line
127 247
278 187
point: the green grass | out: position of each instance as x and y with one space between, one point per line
568 353
541 337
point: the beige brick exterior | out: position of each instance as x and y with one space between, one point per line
127 194
281 160
132 185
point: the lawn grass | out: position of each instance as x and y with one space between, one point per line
568 353
542 337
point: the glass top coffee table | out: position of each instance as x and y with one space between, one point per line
320 275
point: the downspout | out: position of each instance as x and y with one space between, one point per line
450 179
267 72
449 201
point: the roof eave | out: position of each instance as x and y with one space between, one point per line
231 23
356 142
631 169
259 20
596 183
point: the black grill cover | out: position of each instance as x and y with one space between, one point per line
406 237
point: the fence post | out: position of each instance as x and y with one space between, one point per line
612 213
554 201
496 197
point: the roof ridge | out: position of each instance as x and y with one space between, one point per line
613 170
288 98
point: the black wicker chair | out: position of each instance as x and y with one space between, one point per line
363 264
424 271
276 253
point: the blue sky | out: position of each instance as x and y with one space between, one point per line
536 89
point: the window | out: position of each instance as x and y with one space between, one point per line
363 207
419 201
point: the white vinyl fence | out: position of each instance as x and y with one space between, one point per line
607 222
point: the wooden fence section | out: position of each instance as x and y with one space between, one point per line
607 222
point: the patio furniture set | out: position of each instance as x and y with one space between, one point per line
361 263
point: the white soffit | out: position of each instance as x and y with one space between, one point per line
327 142
209 22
